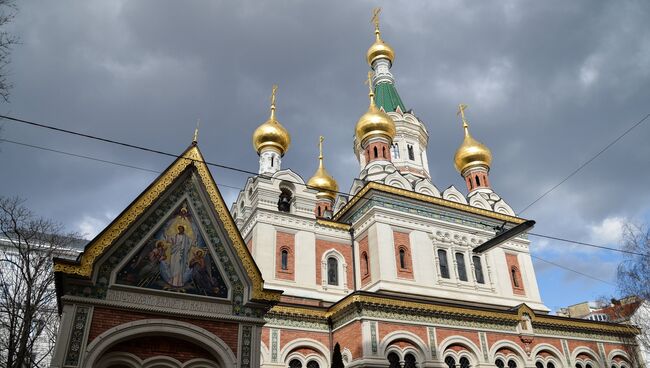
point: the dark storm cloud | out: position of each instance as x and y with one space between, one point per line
548 84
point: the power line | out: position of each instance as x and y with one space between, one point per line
265 176
590 245
572 270
95 159
584 164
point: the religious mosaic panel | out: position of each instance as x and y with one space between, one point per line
175 258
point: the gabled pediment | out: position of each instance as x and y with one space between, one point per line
176 237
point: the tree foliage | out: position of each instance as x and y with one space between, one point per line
28 314
337 358
7 41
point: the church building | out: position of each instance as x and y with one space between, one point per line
386 270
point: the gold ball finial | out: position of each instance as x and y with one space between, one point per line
471 152
379 49
322 180
271 133
375 122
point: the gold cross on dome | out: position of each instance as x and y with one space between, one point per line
275 88
195 139
375 17
461 112
320 146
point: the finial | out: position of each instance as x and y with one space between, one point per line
195 139
375 20
371 93
275 88
320 148
461 112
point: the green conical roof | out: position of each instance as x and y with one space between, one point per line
387 97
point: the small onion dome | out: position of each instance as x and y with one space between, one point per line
379 50
322 180
271 133
471 153
374 122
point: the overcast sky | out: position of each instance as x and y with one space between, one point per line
549 83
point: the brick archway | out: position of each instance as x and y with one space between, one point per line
204 340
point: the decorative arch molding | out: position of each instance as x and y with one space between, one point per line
396 179
502 207
342 269
474 351
385 345
587 351
146 327
265 354
555 352
424 186
286 175
479 202
452 194
132 361
288 349
507 344
617 352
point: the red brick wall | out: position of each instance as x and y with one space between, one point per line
152 346
323 205
513 263
366 277
349 337
493 337
383 151
401 241
443 333
287 336
386 327
285 241
105 318
345 249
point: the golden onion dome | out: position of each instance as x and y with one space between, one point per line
322 180
271 133
379 49
375 122
471 153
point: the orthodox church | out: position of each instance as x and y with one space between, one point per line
295 266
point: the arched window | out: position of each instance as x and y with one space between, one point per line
374 150
295 363
393 360
464 362
499 363
512 363
332 271
272 161
550 365
515 276
410 361
460 265
383 152
450 361
588 365
402 258
284 202
539 365
578 365
284 259
478 183
442 262
478 270
411 153
364 264
395 150
313 364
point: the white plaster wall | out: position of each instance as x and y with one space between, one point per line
264 249
305 259
386 252
422 258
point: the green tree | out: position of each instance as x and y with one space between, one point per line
337 358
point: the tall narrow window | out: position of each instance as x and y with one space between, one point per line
395 150
442 262
515 277
411 153
393 361
478 270
402 260
450 361
319 212
285 259
332 271
272 161
383 152
499 363
364 263
460 265
512 364
410 361
374 150
464 362
478 182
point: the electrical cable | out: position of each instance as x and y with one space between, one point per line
589 245
572 270
584 164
